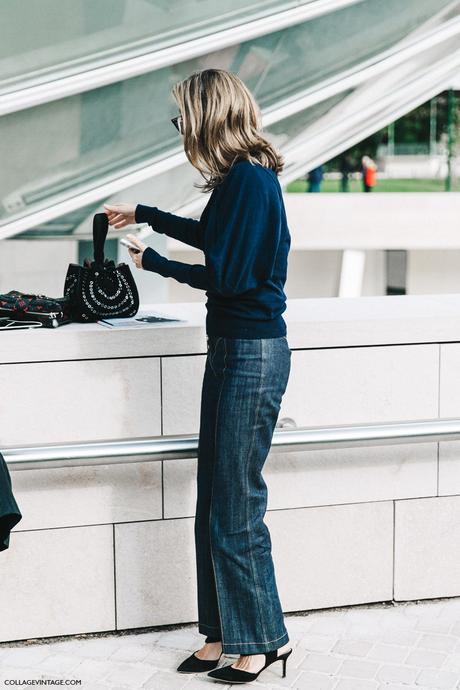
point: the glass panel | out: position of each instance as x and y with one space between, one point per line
60 149
174 188
307 54
40 35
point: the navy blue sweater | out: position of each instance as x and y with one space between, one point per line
245 238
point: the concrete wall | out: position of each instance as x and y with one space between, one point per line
111 547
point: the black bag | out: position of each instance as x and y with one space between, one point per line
22 306
9 511
100 289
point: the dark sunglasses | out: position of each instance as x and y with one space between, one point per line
175 121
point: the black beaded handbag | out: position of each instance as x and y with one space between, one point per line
101 289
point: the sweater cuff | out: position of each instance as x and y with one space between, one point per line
144 213
150 259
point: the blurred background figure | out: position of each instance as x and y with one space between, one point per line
314 179
346 167
368 170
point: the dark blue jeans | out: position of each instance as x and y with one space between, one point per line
238 601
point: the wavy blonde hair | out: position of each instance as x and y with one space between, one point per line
221 123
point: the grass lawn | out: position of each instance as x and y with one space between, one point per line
381 186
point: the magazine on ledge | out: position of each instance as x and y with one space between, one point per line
139 321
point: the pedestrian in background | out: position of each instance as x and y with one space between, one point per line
346 167
369 173
315 178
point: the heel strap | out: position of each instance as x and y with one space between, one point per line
270 656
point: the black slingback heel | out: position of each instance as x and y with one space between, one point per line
192 664
237 675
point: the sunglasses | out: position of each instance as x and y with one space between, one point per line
175 121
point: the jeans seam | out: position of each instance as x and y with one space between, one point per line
212 492
233 644
247 489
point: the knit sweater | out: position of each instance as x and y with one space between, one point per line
245 238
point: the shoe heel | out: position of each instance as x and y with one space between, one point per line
284 658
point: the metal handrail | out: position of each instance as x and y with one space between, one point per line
288 438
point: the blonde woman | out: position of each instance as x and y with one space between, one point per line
245 239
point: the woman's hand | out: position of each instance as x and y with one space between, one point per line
120 215
137 258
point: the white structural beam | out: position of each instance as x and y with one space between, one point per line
127 67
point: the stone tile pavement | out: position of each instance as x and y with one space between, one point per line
403 646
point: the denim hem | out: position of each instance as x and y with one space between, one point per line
207 627
254 647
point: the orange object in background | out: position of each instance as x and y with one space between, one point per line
370 176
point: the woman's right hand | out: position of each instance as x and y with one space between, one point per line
121 214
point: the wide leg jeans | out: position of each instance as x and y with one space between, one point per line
242 389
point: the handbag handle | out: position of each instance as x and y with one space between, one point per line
100 229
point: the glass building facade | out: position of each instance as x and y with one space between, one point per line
335 72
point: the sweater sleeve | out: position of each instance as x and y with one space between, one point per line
241 245
245 238
187 230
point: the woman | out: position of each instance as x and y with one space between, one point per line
245 239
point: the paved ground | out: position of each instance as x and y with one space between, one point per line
411 646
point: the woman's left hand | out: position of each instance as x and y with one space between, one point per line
137 258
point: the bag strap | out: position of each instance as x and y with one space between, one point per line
100 229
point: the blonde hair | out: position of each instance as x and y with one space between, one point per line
220 124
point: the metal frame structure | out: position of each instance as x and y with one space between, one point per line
98 75
350 78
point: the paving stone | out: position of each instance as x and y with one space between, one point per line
452 663
425 658
181 639
131 652
414 646
166 659
15 673
60 663
317 643
354 684
352 647
397 686
389 653
329 626
299 623
162 680
196 682
325 663
97 648
26 655
436 625
94 669
405 638
131 675
393 673
455 629
438 679
440 643
309 680
358 668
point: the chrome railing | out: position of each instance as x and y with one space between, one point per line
286 439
